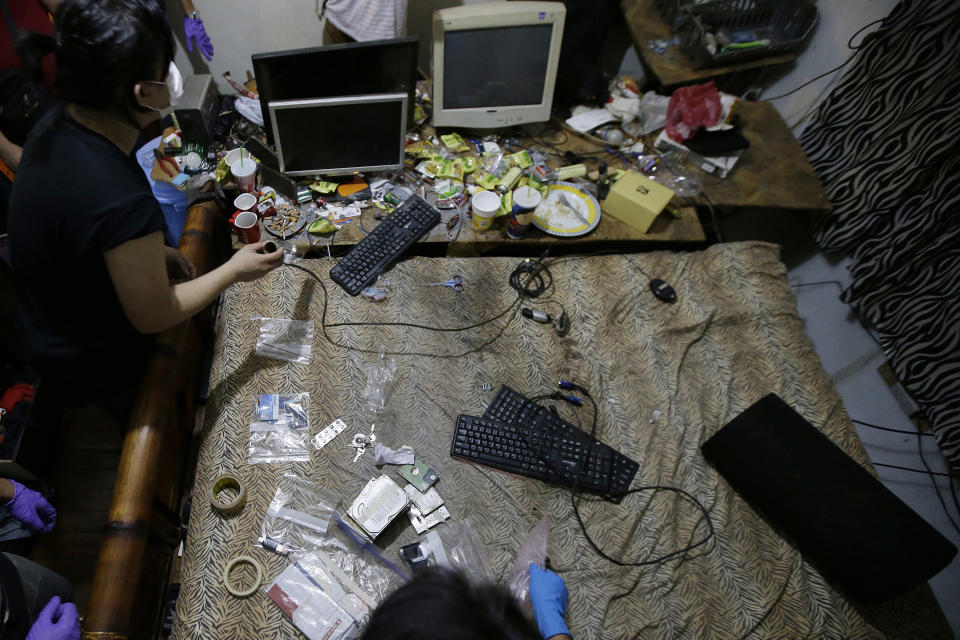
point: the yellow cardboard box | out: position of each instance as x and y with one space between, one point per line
636 200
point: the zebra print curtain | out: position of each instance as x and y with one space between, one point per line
885 145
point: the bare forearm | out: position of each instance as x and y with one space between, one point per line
188 298
188 7
10 153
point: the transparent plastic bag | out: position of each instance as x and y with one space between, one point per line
380 376
456 547
282 339
292 410
361 560
316 603
298 517
534 550
277 442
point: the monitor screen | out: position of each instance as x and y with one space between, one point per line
495 67
381 66
336 136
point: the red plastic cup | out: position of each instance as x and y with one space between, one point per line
247 225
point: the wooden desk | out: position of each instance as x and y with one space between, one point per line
673 67
773 173
609 234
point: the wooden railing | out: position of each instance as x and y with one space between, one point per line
137 546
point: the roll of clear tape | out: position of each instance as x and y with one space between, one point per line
235 590
227 481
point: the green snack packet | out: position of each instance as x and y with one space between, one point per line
452 140
321 226
468 163
321 186
506 203
535 183
521 159
450 169
487 180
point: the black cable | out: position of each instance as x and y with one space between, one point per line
876 426
933 481
713 216
537 273
836 68
531 272
820 282
931 473
576 494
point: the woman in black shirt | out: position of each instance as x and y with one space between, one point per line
94 279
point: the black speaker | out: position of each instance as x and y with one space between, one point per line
857 532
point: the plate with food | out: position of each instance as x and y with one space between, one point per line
566 211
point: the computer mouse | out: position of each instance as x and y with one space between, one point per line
662 290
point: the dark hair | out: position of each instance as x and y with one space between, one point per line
104 47
443 605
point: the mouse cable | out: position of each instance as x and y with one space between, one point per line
536 272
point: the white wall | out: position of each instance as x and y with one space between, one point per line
839 20
239 28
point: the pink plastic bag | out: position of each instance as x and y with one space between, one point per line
691 108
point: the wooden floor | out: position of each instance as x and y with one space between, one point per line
86 469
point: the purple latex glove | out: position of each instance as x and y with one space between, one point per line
56 622
195 33
548 595
32 509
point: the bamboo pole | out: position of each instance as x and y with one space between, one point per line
109 613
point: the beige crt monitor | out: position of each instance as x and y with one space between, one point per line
495 63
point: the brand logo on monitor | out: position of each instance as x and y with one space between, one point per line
542 15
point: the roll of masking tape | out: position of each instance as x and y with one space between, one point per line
233 564
226 481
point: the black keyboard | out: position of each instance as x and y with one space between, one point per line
519 436
381 247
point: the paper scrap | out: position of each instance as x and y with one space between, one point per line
385 455
589 120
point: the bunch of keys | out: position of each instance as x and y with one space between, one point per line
360 442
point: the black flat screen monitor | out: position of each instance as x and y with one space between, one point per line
339 136
360 68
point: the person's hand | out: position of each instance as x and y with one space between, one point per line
31 508
57 621
249 265
179 269
194 32
548 595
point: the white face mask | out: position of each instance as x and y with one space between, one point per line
174 83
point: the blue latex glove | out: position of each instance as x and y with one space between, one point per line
56 622
194 32
32 509
548 595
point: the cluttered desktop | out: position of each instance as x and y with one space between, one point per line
373 411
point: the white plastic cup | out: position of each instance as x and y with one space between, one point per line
234 154
244 173
485 205
245 202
